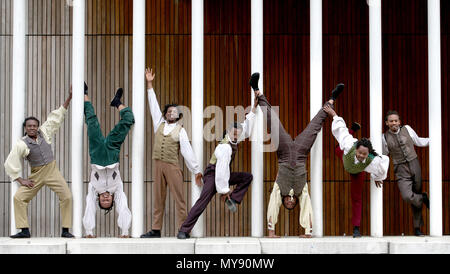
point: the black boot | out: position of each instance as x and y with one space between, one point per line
417 232
116 101
254 81
231 204
425 200
356 233
183 235
355 127
336 91
85 89
25 233
152 234
66 234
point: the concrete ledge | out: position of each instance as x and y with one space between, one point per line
33 246
419 245
131 246
230 245
328 245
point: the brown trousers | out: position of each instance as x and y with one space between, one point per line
168 174
50 176
409 181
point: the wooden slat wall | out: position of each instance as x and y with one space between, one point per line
227 68
6 7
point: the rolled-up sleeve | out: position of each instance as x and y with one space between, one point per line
13 164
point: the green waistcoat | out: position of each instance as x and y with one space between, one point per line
349 162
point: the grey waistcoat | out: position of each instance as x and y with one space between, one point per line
401 146
291 178
40 153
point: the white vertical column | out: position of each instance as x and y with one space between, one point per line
434 116
137 189
78 37
376 111
18 86
197 102
257 58
316 105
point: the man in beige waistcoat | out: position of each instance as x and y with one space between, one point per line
170 138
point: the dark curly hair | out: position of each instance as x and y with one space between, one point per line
235 125
366 143
166 108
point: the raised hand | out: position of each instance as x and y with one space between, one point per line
198 179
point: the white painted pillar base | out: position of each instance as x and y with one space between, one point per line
434 116
376 111
18 87
78 45
316 104
257 58
137 188
197 103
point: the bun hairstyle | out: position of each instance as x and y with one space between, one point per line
166 108
28 119
366 143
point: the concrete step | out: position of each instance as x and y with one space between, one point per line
33 246
232 245
419 245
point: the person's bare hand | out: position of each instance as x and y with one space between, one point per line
198 179
225 196
378 184
124 236
90 236
272 234
149 74
27 183
329 110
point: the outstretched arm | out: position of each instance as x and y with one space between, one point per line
155 111
340 131
55 120
418 141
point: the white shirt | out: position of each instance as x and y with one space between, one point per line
223 154
106 182
185 145
380 164
418 141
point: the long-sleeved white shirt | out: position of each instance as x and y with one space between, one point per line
275 202
380 164
106 182
185 146
418 141
223 154
20 150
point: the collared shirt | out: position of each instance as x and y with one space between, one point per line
380 164
418 141
13 164
185 146
106 179
223 154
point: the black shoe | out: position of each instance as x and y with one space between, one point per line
355 127
85 89
336 91
417 232
425 200
152 234
231 204
67 234
183 235
356 233
116 101
254 81
21 234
